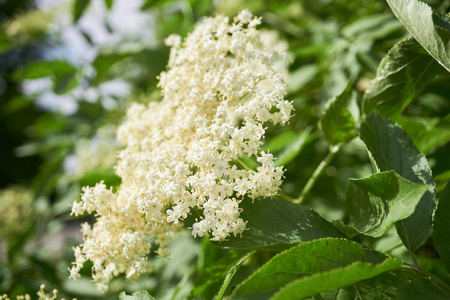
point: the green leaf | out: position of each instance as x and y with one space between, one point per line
5 43
139 295
49 173
41 69
146 4
299 78
17 242
441 227
443 176
423 289
372 27
216 272
402 74
46 269
310 50
310 261
210 253
392 149
383 286
63 74
428 27
109 3
82 288
16 104
64 84
281 141
92 178
349 231
337 123
426 133
230 275
79 6
277 224
311 285
104 62
376 202
441 180
293 150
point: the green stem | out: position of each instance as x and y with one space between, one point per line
418 270
230 275
413 255
243 164
323 164
312 180
286 197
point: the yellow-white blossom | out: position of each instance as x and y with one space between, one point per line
182 153
43 295
16 210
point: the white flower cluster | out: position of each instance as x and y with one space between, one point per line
43 295
16 210
183 153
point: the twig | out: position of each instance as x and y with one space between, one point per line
323 164
418 270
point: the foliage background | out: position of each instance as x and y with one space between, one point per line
68 70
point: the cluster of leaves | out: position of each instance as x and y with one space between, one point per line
364 208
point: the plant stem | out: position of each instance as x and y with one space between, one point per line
243 164
286 197
323 164
418 270
413 255
230 275
312 180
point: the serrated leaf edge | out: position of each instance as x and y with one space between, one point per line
294 247
385 262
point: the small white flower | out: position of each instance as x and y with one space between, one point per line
255 22
244 16
197 230
172 217
220 233
266 159
241 186
173 40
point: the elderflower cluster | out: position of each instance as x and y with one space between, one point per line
25 27
182 153
16 210
43 295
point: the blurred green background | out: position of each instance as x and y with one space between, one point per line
69 70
